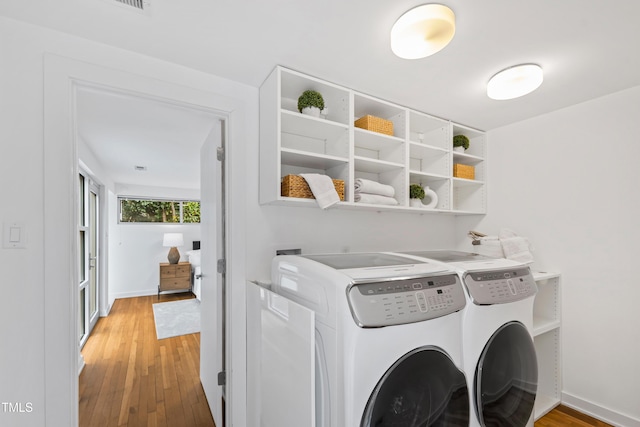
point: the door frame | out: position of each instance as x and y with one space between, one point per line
61 77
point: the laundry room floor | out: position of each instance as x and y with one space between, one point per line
563 416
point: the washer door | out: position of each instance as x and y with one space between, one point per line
423 388
506 378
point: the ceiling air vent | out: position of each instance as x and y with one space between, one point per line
138 4
142 6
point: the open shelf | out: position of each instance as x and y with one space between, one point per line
546 307
548 353
419 150
336 98
429 131
314 135
547 336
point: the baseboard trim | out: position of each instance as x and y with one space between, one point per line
599 412
144 293
133 294
81 363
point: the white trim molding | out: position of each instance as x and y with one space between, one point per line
596 411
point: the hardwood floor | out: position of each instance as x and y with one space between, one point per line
133 379
563 416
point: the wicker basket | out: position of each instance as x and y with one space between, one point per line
296 186
375 124
464 171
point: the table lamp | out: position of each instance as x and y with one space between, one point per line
171 240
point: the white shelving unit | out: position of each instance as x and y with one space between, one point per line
419 151
547 335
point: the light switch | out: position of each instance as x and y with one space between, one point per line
14 236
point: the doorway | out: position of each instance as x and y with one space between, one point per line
134 141
233 102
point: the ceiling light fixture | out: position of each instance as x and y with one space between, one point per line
515 81
423 31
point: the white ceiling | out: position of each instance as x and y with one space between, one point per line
588 48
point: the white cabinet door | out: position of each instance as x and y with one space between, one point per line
280 360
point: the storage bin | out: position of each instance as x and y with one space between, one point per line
296 186
375 124
464 171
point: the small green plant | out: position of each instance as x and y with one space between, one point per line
310 98
461 141
416 191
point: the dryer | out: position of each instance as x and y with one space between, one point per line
388 347
499 356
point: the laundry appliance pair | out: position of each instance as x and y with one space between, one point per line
390 340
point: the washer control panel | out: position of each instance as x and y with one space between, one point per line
500 286
403 301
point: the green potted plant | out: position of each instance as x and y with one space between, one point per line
460 143
311 103
416 194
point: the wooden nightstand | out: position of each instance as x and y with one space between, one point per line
174 277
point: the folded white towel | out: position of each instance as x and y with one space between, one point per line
322 188
515 247
375 199
489 246
371 187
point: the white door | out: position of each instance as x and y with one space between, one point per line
84 260
212 248
94 259
88 257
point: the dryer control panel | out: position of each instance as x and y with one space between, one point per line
397 302
500 286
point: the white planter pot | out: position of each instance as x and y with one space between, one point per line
311 111
415 203
458 149
430 195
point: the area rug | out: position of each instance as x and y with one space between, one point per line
177 318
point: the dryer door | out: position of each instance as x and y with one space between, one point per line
423 388
506 378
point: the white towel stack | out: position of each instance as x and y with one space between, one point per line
367 191
515 247
507 244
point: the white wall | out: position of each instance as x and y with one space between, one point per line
333 230
136 249
568 181
21 169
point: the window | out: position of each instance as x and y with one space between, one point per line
159 211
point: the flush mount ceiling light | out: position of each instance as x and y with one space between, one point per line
515 82
423 31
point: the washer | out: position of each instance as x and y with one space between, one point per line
388 347
499 356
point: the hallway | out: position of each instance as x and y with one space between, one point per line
132 379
